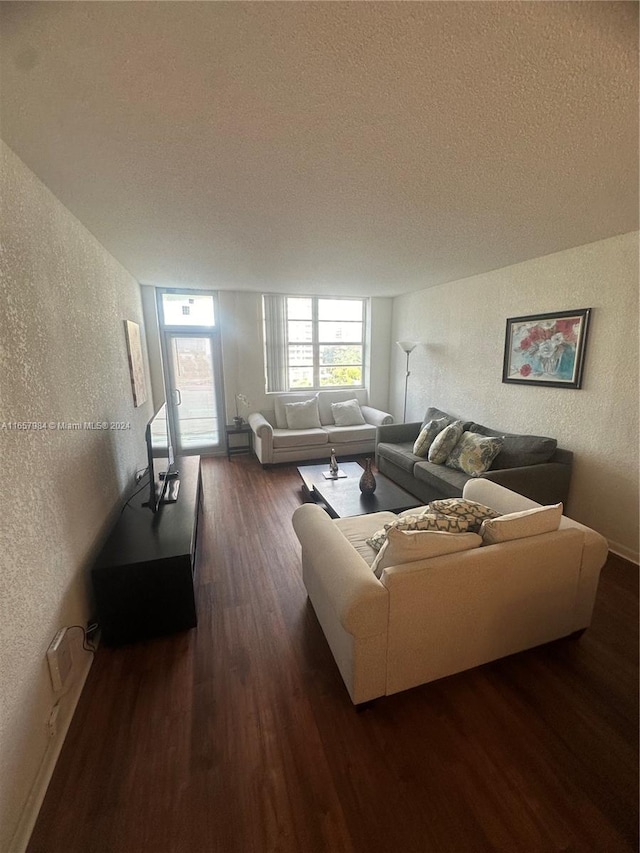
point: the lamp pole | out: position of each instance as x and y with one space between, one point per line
407 347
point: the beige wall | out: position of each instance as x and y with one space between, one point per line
459 368
63 358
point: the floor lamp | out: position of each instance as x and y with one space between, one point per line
407 347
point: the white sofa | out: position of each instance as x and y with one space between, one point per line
274 442
434 617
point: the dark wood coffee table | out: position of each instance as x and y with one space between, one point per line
342 497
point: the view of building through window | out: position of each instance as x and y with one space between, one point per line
188 309
324 342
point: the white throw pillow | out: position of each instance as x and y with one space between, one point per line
303 415
518 525
347 413
408 547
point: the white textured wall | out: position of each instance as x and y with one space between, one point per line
459 369
63 357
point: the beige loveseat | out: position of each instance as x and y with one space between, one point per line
434 617
274 441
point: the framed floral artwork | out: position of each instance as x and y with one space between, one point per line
546 349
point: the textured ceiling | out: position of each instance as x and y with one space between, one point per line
368 148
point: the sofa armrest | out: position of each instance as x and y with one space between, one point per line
547 483
263 437
340 575
376 416
259 424
398 433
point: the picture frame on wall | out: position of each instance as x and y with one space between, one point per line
546 349
136 363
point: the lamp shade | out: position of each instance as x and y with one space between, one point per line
407 346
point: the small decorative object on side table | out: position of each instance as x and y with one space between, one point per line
238 420
367 481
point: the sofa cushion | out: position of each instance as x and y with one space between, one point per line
519 450
298 437
474 453
433 414
444 481
358 528
347 413
419 521
472 512
427 434
283 400
340 435
404 547
519 525
444 442
400 454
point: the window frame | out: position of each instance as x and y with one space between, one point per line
317 343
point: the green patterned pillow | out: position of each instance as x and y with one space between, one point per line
474 453
444 442
420 521
472 512
427 434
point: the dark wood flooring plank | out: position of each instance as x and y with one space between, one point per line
240 736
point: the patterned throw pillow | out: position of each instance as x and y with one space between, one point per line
472 512
444 442
427 434
474 453
420 521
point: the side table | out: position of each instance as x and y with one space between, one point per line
246 447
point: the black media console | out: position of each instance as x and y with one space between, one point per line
143 578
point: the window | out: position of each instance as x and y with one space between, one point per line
313 342
187 309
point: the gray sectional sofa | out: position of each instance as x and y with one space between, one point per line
533 466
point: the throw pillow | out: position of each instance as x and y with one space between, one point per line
519 450
474 453
427 434
444 443
348 413
419 521
472 512
303 415
407 547
518 525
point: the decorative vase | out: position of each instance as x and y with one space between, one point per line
367 481
333 463
238 421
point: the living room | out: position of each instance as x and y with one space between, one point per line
538 213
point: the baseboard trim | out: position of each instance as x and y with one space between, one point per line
624 552
36 796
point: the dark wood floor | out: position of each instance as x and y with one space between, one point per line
239 737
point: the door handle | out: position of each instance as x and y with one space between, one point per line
177 400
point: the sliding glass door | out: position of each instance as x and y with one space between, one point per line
192 367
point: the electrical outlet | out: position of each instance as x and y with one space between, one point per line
52 722
60 660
